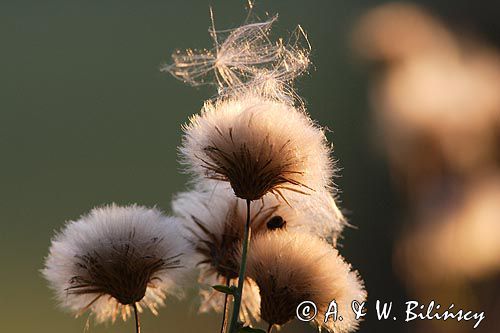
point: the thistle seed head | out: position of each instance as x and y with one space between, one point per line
115 257
259 146
290 268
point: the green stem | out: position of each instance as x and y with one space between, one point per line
137 323
225 312
241 279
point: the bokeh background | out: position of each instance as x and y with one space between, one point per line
86 118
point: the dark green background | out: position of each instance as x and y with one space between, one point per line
86 118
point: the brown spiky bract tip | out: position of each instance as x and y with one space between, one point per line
250 177
122 270
219 250
259 146
290 268
116 258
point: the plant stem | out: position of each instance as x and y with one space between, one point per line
225 313
270 328
241 278
137 323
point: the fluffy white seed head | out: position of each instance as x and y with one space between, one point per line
290 268
114 257
259 146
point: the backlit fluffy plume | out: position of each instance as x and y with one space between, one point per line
258 145
318 214
290 268
114 257
244 56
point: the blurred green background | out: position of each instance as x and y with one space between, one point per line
87 119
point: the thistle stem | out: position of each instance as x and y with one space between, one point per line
241 278
137 322
225 313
